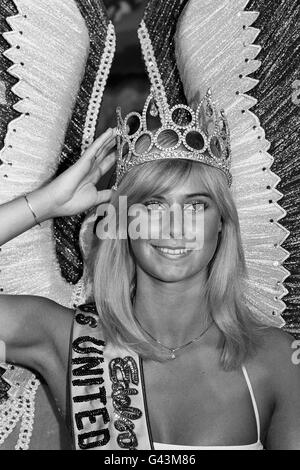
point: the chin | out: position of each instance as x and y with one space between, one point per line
170 275
173 271
173 274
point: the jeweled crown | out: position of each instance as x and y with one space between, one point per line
180 132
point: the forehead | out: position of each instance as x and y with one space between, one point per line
191 184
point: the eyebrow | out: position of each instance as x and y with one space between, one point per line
198 194
186 196
161 197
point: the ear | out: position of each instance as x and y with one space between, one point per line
220 226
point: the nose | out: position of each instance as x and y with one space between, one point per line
176 222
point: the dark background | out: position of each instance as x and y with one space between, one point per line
128 84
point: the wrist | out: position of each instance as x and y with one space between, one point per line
41 204
31 210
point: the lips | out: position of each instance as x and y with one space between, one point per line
169 247
172 253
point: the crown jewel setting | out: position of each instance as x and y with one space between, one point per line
178 133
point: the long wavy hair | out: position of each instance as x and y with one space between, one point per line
115 270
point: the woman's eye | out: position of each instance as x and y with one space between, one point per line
195 206
154 205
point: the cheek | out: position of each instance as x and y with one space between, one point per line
144 257
206 241
211 236
139 223
141 250
202 230
211 228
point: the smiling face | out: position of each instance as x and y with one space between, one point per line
169 255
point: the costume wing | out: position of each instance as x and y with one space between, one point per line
55 59
215 48
278 111
211 45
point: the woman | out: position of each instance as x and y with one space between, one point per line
155 304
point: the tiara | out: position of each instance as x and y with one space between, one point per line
180 132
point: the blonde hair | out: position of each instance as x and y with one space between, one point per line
115 273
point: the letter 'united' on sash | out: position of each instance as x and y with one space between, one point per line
107 391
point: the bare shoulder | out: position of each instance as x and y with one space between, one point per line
276 347
44 316
56 319
279 357
32 327
55 325
29 305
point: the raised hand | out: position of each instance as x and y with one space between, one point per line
75 191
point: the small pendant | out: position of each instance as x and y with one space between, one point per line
209 110
153 110
173 356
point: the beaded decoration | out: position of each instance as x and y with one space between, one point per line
124 373
19 406
99 87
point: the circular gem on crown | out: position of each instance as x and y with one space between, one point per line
195 140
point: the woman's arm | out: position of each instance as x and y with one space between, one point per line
73 192
33 328
33 331
284 360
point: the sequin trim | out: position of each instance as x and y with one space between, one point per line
88 398
123 373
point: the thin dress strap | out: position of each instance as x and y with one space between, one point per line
253 402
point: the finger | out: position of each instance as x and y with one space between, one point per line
102 144
81 173
104 196
102 154
99 169
107 163
105 149
103 139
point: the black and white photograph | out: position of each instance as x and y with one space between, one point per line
149 227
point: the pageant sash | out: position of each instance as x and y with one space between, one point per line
107 391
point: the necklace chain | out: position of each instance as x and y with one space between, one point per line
179 348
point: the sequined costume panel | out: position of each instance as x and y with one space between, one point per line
7 98
278 108
80 132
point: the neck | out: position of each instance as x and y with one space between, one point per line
172 312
